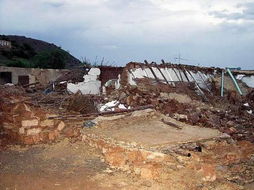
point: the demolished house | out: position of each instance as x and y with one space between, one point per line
159 122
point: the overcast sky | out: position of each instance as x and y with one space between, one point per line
204 32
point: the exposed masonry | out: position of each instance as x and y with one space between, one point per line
95 83
101 78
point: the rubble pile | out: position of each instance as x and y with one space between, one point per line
151 94
25 123
183 127
205 159
237 123
83 104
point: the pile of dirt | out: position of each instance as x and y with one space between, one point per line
143 94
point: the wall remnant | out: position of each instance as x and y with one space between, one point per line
43 76
169 73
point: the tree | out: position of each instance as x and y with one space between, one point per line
19 63
51 59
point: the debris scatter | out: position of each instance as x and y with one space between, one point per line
147 125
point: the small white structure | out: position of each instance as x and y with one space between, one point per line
90 85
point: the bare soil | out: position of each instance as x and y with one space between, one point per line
62 166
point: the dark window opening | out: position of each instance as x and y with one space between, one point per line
5 77
23 80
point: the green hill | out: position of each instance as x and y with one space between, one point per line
28 52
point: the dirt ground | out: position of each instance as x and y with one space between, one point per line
63 166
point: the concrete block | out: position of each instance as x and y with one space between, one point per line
47 122
29 123
60 126
33 131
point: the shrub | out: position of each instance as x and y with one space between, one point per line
19 63
51 59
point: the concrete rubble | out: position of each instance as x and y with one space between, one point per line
161 123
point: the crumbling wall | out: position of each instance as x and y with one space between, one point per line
109 73
97 80
25 123
43 76
167 74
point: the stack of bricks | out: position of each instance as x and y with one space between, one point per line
27 124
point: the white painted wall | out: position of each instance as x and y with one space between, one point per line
169 74
248 80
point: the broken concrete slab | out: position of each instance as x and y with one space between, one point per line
143 145
149 131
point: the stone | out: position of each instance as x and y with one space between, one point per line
115 158
60 126
129 100
8 125
28 140
71 132
53 135
146 173
27 108
134 156
44 136
29 123
156 156
21 130
137 170
208 172
230 123
50 115
150 171
147 183
108 170
36 138
122 96
47 123
232 157
180 117
33 131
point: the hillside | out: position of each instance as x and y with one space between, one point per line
28 52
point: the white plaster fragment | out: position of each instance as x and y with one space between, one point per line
109 106
90 85
94 71
249 111
246 104
248 80
239 77
121 106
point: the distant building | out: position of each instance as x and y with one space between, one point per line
5 44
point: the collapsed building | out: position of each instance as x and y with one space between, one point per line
158 121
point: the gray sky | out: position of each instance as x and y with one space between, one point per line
206 32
